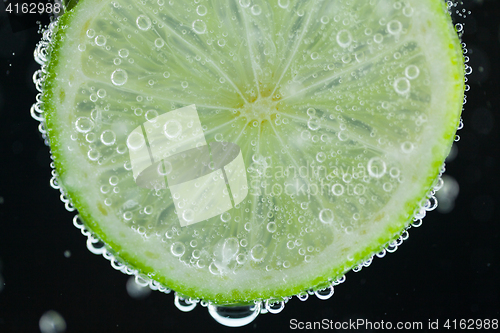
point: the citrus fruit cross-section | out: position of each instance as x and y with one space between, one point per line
247 150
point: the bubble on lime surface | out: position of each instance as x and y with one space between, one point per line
119 77
143 22
199 26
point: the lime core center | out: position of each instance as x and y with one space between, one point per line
263 108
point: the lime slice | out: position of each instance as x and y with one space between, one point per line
244 150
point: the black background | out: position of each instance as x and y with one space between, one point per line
447 269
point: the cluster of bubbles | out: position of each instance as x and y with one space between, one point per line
402 85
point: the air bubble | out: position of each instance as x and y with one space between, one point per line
283 3
119 77
407 11
325 293
213 269
468 70
359 56
183 304
123 53
90 33
101 93
412 72
108 137
143 22
135 141
258 252
225 217
100 40
245 3
256 10
201 10
166 75
151 115
172 129
235 316
90 137
346 58
342 135
394 27
303 296
113 180
344 38
159 43
199 27
271 227
311 112
313 123
177 249
407 147
402 86
326 215
325 19
84 124
378 38
188 215
241 258
184 84
93 155
394 172
274 307
320 157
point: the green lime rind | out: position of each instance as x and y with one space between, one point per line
324 274
69 4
